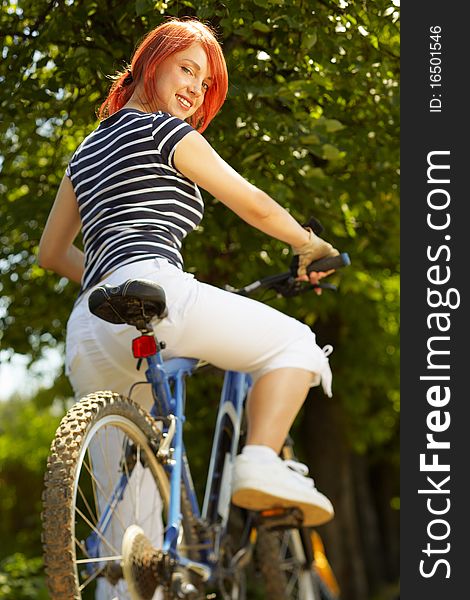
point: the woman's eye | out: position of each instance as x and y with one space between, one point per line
186 70
205 86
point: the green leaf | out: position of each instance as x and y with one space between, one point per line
310 140
262 27
374 41
142 6
309 40
330 152
332 125
252 158
316 173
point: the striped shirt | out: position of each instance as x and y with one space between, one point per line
133 203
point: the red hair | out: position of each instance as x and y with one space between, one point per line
160 43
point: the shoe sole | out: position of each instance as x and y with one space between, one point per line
257 500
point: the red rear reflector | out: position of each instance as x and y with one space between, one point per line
144 346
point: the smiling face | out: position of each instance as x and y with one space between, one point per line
181 82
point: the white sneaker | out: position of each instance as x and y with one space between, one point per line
280 483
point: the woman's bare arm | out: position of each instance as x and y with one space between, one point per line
196 159
56 249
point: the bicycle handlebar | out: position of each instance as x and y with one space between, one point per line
329 262
286 283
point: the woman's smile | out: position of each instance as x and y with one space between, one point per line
181 82
184 101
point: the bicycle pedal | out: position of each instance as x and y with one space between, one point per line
280 518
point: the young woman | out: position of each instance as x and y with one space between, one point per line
132 188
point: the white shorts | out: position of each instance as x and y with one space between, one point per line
229 331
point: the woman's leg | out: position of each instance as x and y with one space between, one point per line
269 415
261 480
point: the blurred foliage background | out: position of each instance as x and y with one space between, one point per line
312 118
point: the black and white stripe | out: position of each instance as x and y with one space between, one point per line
134 204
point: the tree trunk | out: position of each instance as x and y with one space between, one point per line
374 561
384 480
324 443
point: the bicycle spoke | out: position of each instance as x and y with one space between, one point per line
82 495
90 579
106 497
288 564
86 561
93 528
129 486
118 469
93 483
284 544
105 454
291 584
97 483
82 547
139 484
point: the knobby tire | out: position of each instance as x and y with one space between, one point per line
282 563
66 506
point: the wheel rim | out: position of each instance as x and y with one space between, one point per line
102 451
292 558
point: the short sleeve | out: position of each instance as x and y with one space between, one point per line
167 132
68 170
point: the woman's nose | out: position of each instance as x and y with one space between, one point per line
196 89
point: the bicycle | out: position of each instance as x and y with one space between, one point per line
144 479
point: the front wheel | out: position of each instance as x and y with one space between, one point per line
102 476
283 563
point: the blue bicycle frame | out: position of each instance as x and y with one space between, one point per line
168 382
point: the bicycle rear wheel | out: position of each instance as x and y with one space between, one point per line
282 561
102 476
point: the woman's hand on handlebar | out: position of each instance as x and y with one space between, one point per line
313 249
314 277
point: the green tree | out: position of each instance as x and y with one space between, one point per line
26 432
20 579
312 117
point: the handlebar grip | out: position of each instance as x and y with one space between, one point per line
329 262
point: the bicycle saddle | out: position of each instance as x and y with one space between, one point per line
135 302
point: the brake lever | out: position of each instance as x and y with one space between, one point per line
292 287
288 288
304 287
